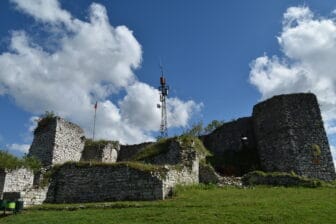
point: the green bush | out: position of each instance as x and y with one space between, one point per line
44 120
11 162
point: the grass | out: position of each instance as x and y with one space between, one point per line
277 179
199 204
152 150
89 143
162 147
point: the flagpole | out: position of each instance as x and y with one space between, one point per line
94 121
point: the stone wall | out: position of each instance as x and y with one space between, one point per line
34 196
291 137
74 183
127 152
232 154
106 152
57 141
228 136
43 143
16 180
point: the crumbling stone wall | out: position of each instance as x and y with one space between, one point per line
228 136
127 152
107 152
83 183
16 180
232 155
57 141
291 137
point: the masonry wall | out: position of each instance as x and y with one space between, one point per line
289 132
107 153
74 184
231 155
82 183
43 143
16 180
57 141
127 152
228 136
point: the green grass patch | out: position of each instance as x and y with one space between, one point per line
154 149
199 204
282 179
162 147
89 143
187 141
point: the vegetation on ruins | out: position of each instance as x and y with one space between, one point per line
198 204
84 164
99 144
162 147
154 149
44 120
280 179
197 129
11 162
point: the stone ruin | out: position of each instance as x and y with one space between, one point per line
284 133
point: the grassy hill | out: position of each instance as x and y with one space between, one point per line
199 204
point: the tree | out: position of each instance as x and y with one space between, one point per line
212 126
195 130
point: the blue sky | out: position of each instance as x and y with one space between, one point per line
216 55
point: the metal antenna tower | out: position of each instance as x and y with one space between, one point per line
163 95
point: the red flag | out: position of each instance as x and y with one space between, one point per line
95 106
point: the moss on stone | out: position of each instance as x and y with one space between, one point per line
89 143
45 119
188 141
154 149
161 170
279 179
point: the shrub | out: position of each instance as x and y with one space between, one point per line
44 120
11 162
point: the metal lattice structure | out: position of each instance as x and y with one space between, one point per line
163 106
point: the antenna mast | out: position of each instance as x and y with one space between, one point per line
163 95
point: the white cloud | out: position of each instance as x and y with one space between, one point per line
44 10
92 61
18 148
308 64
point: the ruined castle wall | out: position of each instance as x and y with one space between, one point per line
232 156
16 180
34 196
107 153
74 184
228 136
182 176
127 152
291 137
69 142
83 183
57 141
43 144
